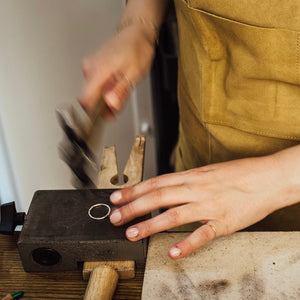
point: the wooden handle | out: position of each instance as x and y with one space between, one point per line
102 284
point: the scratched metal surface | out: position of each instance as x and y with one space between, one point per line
245 265
58 220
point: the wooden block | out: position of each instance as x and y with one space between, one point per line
244 265
125 269
133 173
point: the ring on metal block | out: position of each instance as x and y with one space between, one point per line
99 205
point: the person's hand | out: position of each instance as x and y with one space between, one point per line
112 72
225 197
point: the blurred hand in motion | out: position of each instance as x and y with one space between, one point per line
225 197
112 72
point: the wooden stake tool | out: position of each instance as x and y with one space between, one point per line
103 276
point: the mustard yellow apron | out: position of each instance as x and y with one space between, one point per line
239 79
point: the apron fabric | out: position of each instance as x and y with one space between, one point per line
238 79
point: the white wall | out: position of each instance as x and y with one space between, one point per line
8 191
42 44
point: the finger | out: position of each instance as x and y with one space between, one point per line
92 91
131 193
197 239
171 218
115 97
159 198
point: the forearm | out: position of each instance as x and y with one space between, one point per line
146 14
287 162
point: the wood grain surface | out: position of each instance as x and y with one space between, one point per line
58 285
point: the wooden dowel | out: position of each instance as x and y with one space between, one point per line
102 284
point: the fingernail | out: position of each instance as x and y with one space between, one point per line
115 217
112 99
175 252
115 196
132 232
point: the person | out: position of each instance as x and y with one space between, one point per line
238 153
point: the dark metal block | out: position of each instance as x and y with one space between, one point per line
58 232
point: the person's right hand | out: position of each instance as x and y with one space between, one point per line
224 197
113 70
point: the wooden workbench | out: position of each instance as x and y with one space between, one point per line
69 285
58 286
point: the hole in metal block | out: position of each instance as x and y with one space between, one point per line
46 256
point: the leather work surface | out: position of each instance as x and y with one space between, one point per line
244 265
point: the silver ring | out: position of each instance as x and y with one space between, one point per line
98 205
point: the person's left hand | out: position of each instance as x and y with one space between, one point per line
225 197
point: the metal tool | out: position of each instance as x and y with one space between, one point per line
66 227
58 233
9 218
76 147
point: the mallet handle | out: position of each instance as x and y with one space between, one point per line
102 284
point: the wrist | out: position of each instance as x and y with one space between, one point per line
287 163
147 28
